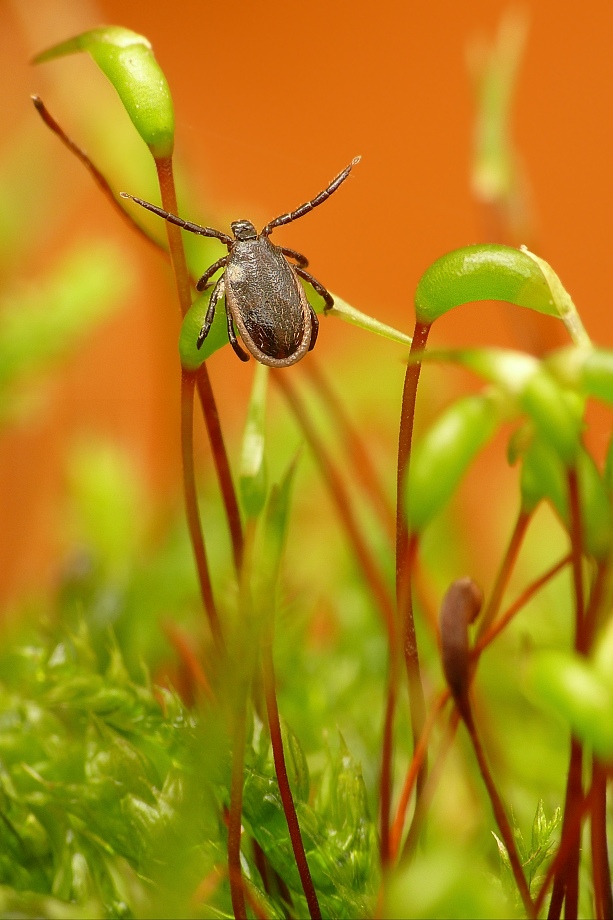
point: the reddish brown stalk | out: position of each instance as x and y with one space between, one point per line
196 680
222 465
413 772
576 542
191 505
423 803
282 778
387 763
566 882
361 463
517 605
502 580
594 608
341 499
601 872
502 821
405 549
93 170
205 390
562 853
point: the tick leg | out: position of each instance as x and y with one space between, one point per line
232 336
317 286
309 205
210 313
314 328
202 283
300 259
179 222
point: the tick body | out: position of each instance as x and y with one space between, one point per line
264 298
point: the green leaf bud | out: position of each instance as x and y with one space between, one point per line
572 688
191 356
440 459
482 272
127 59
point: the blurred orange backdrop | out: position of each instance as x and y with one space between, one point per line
272 100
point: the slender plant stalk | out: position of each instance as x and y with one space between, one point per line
562 851
504 573
387 763
342 501
423 803
191 505
405 549
566 882
282 778
95 173
502 821
361 463
205 390
222 465
601 871
576 543
413 772
488 637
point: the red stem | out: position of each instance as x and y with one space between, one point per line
600 853
526 595
361 463
566 882
282 778
191 505
425 800
413 772
502 821
387 764
493 605
562 853
342 501
405 548
205 390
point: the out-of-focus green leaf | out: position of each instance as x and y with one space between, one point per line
441 458
571 687
252 477
44 322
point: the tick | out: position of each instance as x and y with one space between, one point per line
264 298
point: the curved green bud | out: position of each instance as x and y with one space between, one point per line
495 272
441 458
573 689
482 272
127 60
192 357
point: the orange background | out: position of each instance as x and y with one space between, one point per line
272 99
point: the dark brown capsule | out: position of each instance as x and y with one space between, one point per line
264 298
459 608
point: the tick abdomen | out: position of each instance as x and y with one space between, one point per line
265 296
